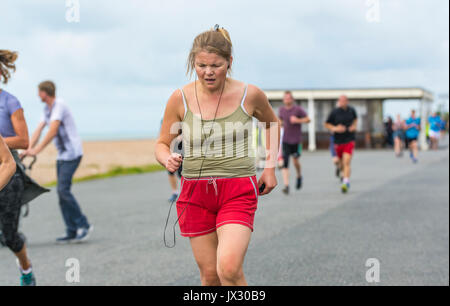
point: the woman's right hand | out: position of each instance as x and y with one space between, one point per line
174 162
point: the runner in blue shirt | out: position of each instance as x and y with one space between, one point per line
435 130
412 135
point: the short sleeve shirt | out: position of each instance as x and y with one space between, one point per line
435 123
8 106
292 132
345 117
67 141
412 132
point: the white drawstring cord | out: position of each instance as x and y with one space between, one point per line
212 181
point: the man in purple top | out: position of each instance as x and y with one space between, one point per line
292 117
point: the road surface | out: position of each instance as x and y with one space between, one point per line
396 212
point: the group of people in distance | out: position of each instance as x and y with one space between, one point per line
405 133
13 137
342 124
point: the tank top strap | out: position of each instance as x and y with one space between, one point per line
184 103
243 99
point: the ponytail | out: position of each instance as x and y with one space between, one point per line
7 59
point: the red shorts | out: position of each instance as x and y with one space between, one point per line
344 148
210 203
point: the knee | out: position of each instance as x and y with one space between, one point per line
347 162
14 242
229 270
209 276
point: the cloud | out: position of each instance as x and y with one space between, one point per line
124 58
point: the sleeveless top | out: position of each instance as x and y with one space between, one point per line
398 125
227 153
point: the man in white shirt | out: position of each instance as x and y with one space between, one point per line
63 131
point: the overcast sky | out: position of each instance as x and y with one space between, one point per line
119 64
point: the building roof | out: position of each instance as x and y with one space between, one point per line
355 94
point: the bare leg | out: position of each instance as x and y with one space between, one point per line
336 161
415 149
434 143
285 172
233 243
341 167
346 161
22 256
397 146
298 166
205 254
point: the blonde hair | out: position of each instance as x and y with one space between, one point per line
216 40
7 59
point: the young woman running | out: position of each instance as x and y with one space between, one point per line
219 192
13 128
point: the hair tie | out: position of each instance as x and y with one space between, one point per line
217 29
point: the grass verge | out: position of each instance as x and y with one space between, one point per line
116 171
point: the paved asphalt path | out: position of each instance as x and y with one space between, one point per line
396 212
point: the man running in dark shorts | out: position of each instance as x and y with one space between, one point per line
292 117
342 122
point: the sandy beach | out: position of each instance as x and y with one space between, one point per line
99 157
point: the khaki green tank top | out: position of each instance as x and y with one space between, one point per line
227 153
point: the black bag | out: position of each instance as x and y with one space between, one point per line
32 189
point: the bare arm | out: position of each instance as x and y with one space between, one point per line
52 132
262 110
353 127
7 164
20 141
411 125
172 117
303 120
330 127
36 135
338 129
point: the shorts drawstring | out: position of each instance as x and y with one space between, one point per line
212 181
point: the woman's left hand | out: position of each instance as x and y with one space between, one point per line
269 179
